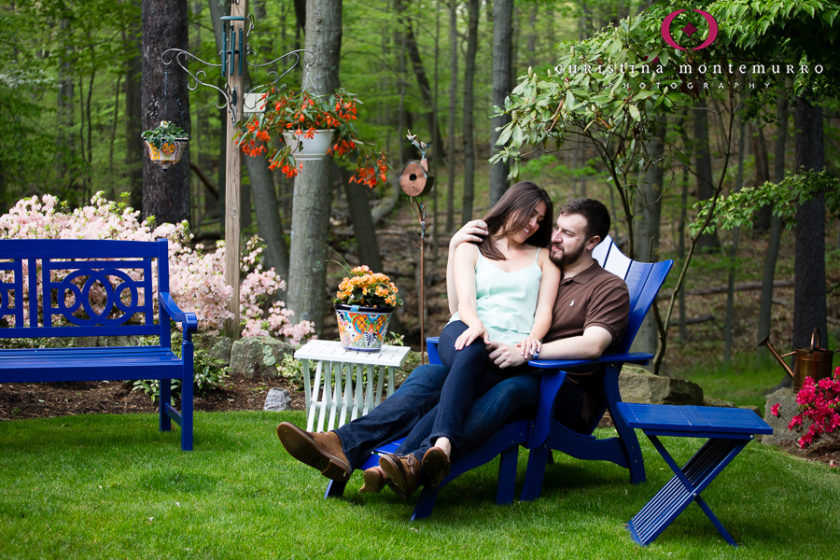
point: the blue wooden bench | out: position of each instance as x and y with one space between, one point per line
728 430
95 288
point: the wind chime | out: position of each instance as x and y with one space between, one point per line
414 181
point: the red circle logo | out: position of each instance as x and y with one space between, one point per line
665 29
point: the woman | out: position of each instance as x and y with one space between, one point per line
505 286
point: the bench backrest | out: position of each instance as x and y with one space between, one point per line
81 287
643 282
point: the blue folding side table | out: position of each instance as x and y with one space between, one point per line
728 430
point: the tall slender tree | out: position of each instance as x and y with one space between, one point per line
312 193
469 111
166 193
502 84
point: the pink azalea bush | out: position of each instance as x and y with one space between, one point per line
819 409
197 277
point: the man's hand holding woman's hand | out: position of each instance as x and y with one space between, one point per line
505 355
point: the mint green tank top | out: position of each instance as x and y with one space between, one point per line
506 301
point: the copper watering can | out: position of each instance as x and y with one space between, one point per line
812 362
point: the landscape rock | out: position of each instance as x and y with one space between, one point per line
787 409
638 386
217 346
277 400
257 356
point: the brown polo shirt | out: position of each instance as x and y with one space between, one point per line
593 297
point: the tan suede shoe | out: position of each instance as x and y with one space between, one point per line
321 450
402 473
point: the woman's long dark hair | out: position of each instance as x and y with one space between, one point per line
512 212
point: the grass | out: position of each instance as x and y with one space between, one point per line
108 486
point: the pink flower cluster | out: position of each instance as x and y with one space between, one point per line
197 278
819 406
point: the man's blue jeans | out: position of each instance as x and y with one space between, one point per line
394 416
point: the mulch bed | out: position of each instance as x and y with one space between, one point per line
36 400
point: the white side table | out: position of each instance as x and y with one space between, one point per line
346 382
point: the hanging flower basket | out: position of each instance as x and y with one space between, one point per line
169 153
309 145
165 143
362 328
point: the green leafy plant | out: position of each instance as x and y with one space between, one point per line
166 132
209 374
291 370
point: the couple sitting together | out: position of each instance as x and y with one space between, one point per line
511 301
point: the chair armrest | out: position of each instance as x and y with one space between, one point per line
552 381
640 358
188 319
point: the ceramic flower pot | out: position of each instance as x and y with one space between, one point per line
168 154
362 328
304 148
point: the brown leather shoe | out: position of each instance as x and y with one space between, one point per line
435 466
374 480
321 450
402 473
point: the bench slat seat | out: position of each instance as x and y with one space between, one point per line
86 364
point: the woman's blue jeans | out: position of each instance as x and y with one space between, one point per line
471 374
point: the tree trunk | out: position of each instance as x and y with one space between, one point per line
65 112
773 244
469 116
762 173
166 193
134 149
733 253
453 106
648 204
502 84
422 80
705 184
312 193
809 305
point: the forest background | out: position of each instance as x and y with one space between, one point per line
74 80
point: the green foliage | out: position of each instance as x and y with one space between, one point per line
738 208
209 374
291 370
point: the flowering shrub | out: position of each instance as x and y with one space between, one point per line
302 113
819 407
368 289
197 282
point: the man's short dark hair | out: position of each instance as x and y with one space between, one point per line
596 214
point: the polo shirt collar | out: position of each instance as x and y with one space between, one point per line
585 275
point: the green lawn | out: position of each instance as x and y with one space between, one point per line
108 486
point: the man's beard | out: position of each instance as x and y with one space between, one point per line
566 259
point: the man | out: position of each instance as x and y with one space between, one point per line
589 318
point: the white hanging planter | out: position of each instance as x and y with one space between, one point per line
304 148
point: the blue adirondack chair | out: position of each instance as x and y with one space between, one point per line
644 281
